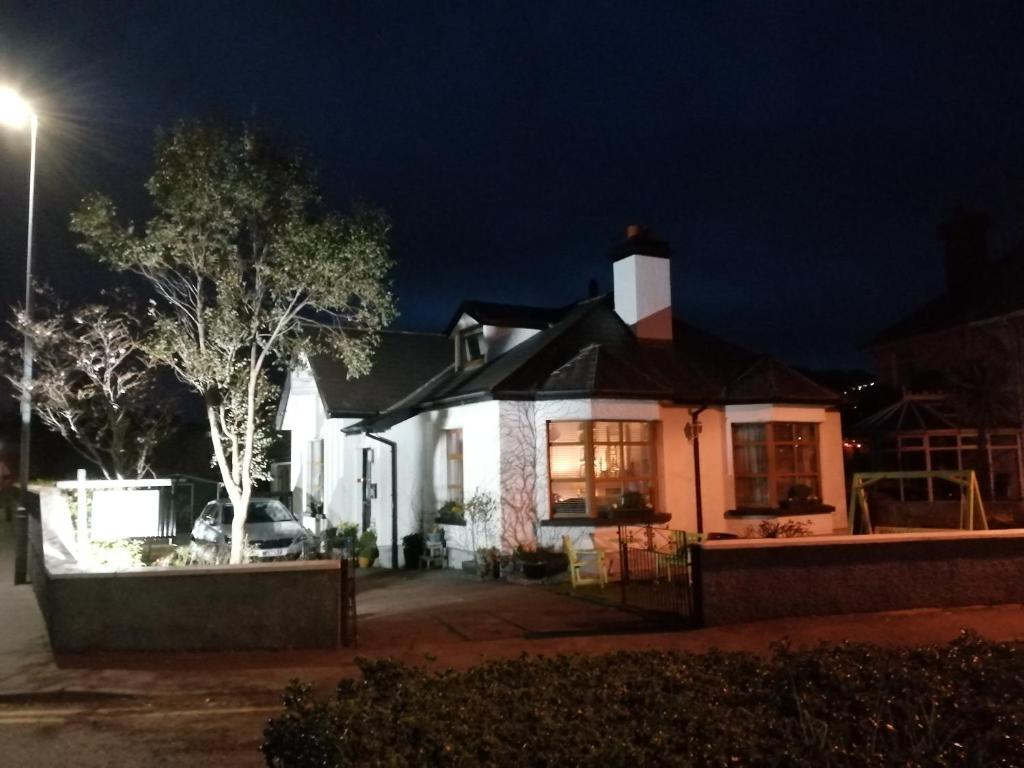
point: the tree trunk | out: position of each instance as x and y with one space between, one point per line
240 501
238 492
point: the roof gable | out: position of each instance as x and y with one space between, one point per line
402 362
506 315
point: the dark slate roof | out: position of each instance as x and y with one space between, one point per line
508 315
402 363
591 352
998 290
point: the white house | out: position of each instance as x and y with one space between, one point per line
573 418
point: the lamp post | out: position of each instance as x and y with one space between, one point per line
15 113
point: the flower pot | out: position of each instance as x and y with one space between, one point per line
535 570
365 562
412 557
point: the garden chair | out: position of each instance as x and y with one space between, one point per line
585 558
435 552
679 556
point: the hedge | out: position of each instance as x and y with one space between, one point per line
960 704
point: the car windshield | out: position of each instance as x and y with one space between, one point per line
260 512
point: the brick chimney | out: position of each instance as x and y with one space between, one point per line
643 289
965 234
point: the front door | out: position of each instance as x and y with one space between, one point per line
367 486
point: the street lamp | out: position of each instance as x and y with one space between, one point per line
15 113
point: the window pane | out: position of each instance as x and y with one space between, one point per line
810 482
567 461
748 433
1003 439
750 459
942 440
803 431
568 498
565 432
453 437
607 460
909 442
607 432
945 460
1005 475
913 461
783 432
784 488
637 461
607 497
806 459
752 492
637 432
785 459
454 472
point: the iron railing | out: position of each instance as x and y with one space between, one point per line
655 571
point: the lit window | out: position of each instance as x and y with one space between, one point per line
774 462
598 467
453 448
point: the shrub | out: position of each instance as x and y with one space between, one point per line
842 706
367 545
773 529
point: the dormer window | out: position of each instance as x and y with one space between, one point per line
472 346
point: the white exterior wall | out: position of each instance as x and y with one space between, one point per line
505 454
500 340
305 418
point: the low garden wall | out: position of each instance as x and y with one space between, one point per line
748 580
263 606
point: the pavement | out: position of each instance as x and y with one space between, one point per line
211 706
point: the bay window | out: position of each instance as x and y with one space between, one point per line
775 462
598 467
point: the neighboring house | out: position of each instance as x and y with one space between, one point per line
572 418
956 365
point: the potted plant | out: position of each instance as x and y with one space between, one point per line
531 563
412 549
451 512
366 548
339 542
488 562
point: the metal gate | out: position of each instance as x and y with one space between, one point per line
655 572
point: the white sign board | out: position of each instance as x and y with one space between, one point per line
118 514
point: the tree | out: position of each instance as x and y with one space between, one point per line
92 384
249 271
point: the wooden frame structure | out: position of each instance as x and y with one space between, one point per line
971 506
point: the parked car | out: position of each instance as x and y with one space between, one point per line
271 531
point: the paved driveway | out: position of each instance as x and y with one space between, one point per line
421 608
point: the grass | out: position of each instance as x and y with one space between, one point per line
959 704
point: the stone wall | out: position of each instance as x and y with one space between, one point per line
261 606
741 581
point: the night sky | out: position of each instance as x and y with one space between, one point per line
797 156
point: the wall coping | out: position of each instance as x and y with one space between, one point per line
860 539
159 571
